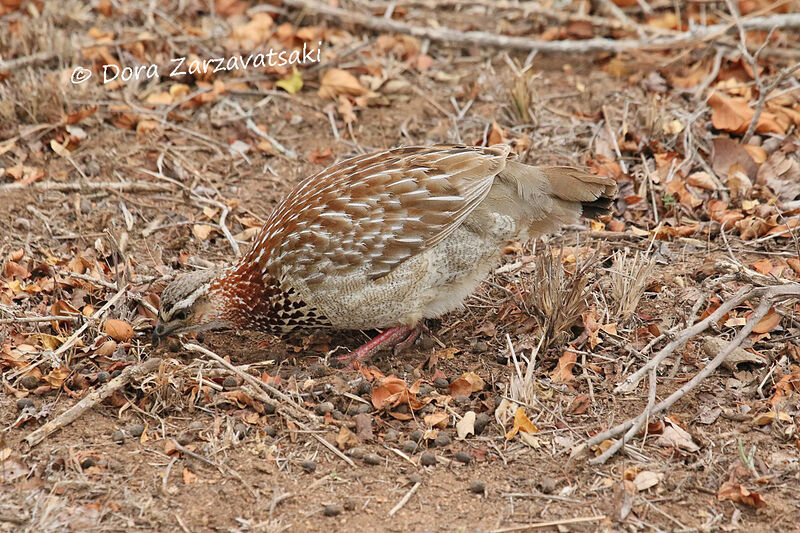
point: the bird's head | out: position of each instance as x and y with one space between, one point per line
189 304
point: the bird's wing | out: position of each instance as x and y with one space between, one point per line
373 212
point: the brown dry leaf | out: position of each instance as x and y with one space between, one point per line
438 419
346 439
345 109
675 436
768 323
320 156
119 330
781 171
733 114
189 477
521 423
736 493
388 393
202 231
497 135
337 82
563 372
767 418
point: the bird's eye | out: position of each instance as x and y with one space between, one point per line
179 315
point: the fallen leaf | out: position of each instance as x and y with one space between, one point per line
563 371
293 83
437 419
189 477
119 330
337 82
675 436
646 479
521 423
737 493
466 426
346 439
769 322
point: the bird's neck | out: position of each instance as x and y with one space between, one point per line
249 298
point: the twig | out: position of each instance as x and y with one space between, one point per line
482 38
35 319
92 399
551 523
405 499
275 144
292 406
74 337
632 381
768 296
117 186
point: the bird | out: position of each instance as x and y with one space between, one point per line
383 241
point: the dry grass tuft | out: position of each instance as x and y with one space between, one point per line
27 99
628 280
556 298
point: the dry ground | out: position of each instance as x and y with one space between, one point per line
239 467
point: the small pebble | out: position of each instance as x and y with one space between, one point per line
269 408
391 436
337 414
427 343
480 347
25 403
364 388
230 382
197 426
270 431
441 383
442 440
185 438
88 462
323 408
425 389
318 370
308 466
409 446
332 509
352 410
502 359
373 459
356 453
463 457
102 377
427 459
116 373
477 486
136 430
461 399
547 485
240 430
408 369
415 478
118 436
22 223
417 435
481 421
364 408
173 345
29 382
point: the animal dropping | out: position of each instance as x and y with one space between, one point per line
383 241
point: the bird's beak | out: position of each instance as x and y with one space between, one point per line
160 331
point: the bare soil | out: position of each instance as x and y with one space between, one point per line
251 470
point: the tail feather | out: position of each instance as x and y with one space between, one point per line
595 193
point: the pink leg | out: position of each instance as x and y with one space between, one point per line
391 337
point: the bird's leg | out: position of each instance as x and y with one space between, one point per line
413 335
397 336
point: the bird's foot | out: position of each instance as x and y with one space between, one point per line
400 337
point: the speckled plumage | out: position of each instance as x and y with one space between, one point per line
390 238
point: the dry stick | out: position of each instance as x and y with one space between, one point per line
551 523
292 406
763 94
632 381
92 399
74 337
118 186
471 38
769 295
289 410
34 319
405 499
